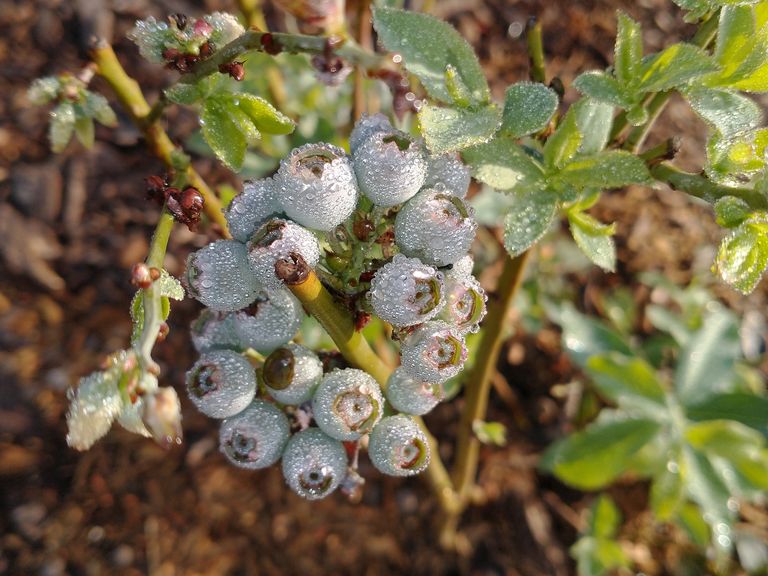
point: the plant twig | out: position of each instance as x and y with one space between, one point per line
159 244
701 187
364 38
131 97
535 39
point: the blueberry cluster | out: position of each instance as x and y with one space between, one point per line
388 229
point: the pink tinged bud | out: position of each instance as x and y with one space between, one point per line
162 416
202 28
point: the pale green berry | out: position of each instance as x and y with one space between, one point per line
410 396
398 447
465 303
255 438
367 126
291 374
447 173
221 383
272 320
278 239
434 352
347 404
214 330
314 464
256 204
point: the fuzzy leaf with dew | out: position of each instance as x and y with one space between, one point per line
731 211
528 108
734 161
427 46
741 49
743 254
628 51
451 129
563 145
594 238
530 216
602 87
727 111
167 287
505 166
592 458
85 131
673 67
594 120
62 126
608 169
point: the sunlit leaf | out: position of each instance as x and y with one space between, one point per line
451 129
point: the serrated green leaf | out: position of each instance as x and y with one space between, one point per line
594 238
602 87
584 336
706 362
743 254
265 116
451 129
62 126
725 110
504 165
427 46
528 108
731 211
609 169
675 66
528 220
593 458
749 409
84 131
631 382
564 143
594 121
628 52
169 287
222 134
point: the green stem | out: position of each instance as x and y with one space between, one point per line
281 42
701 187
131 97
536 51
159 244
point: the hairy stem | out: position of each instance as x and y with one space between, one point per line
701 187
131 97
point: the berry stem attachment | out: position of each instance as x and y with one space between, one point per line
131 97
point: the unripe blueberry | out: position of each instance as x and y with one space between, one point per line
405 292
410 396
398 447
434 352
462 267
366 127
347 404
314 464
271 321
255 438
292 373
251 208
277 239
317 186
390 167
465 303
435 227
447 173
221 383
218 275
215 331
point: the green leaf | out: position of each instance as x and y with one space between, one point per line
667 492
605 518
493 433
705 366
168 286
427 46
266 118
742 49
62 125
584 336
743 254
598 556
626 380
697 529
593 458
594 238
564 143
528 108
504 165
749 409
184 94
528 220
222 134
451 129
456 88
628 52
594 121
84 131
731 211
609 169
97 107
675 66
726 111
602 87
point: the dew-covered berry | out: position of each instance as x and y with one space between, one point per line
462 267
314 464
255 438
405 292
398 447
221 383
218 275
270 321
435 227
390 167
367 126
317 186
291 374
215 331
447 173
434 352
277 239
409 395
251 208
465 303
347 404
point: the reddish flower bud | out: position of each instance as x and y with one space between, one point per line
140 276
